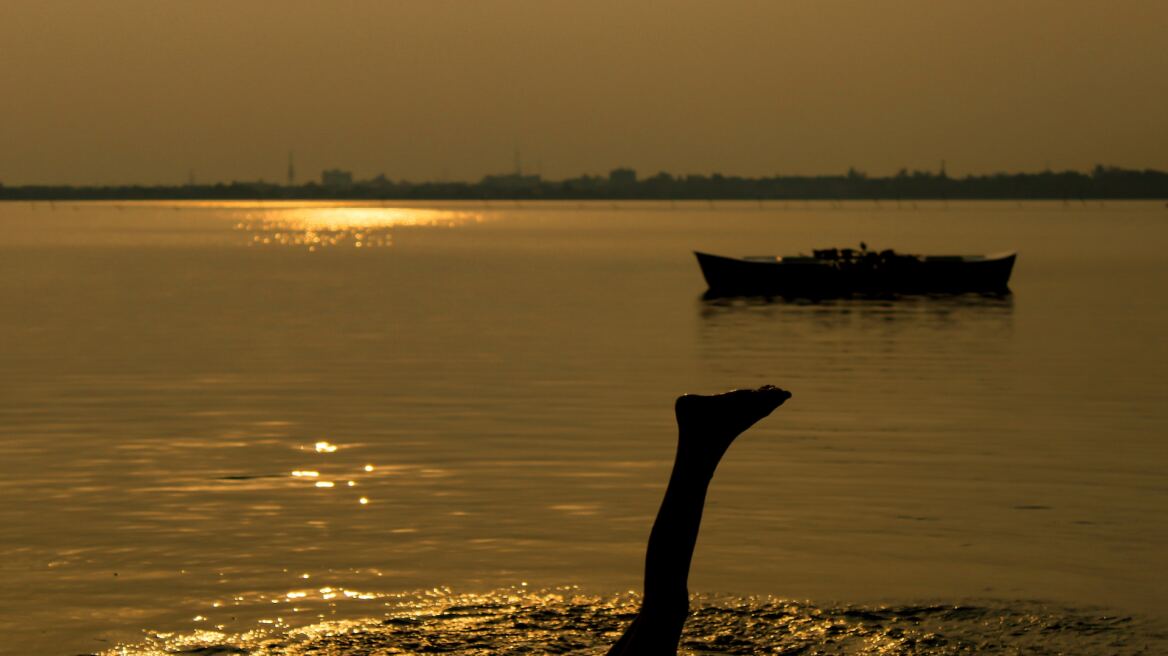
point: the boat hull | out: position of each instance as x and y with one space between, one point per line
814 278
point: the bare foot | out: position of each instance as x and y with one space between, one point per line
709 424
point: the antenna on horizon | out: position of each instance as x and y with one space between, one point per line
518 162
291 168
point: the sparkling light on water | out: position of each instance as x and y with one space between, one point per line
318 226
564 620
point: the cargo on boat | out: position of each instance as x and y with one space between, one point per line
834 272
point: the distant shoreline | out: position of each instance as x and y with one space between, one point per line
1103 183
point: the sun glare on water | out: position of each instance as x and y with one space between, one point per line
316 227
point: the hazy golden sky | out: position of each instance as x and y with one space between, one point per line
109 91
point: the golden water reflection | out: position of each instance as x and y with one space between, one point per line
348 479
335 621
322 226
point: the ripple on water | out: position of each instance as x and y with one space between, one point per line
565 622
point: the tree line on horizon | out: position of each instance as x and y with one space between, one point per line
1103 182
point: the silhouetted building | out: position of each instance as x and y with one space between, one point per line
622 177
589 184
511 182
336 178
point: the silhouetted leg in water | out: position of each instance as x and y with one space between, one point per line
706 425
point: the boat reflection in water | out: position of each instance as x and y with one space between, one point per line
972 326
834 273
964 345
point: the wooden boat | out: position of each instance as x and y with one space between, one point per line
832 273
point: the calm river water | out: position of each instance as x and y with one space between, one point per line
286 427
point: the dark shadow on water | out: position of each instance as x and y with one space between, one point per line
869 337
939 310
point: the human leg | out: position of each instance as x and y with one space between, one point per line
707 425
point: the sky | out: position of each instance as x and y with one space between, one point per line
153 91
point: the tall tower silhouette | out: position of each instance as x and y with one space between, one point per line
291 168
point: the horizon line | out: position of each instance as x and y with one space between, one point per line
852 173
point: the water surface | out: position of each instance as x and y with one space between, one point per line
229 417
